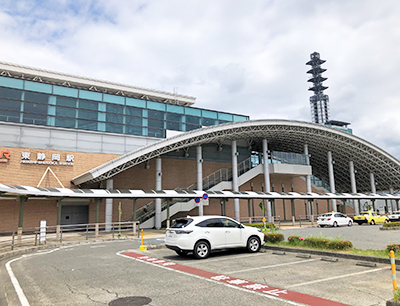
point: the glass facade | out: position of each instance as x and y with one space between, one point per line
52 105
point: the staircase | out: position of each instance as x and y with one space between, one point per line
219 180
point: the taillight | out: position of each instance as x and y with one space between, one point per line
365 218
329 219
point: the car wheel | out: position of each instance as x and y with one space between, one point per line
372 222
253 244
350 223
182 253
335 224
201 250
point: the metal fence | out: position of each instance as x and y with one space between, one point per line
35 236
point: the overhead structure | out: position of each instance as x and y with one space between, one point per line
282 135
319 102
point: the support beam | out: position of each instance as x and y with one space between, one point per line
109 206
134 212
22 201
235 185
372 180
331 179
308 180
58 227
157 216
353 186
199 164
392 207
97 202
266 177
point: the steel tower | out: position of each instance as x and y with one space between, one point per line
319 102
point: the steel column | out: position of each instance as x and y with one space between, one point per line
157 216
235 186
109 206
331 179
266 177
199 164
353 185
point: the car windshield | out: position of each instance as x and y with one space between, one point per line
363 213
326 215
181 223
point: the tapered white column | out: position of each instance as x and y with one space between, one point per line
372 180
353 185
392 202
308 180
157 216
199 163
235 186
109 206
331 179
266 177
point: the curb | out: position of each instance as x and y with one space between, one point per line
389 228
332 254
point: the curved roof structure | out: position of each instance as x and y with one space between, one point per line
284 136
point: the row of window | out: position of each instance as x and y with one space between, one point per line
46 90
42 109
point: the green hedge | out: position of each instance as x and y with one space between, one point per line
391 224
273 237
320 243
261 225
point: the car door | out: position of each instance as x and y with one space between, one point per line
233 233
213 231
341 219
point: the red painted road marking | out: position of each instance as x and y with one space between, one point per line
244 284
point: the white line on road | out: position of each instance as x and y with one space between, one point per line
97 246
335 277
272 266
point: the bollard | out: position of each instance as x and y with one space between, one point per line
142 247
392 263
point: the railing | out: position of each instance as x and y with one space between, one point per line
34 236
148 211
259 219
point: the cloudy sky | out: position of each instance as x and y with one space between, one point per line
246 57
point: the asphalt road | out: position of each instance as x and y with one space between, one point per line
97 274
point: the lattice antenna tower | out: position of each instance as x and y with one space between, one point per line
319 102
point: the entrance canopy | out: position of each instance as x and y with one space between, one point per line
284 136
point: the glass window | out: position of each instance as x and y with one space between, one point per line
176 126
155 115
209 114
36 97
115 114
190 127
40 87
11 82
207 121
114 99
69 102
35 108
87 114
156 123
181 223
174 117
65 91
156 133
9 110
90 95
134 111
65 112
10 93
114 128
222 121
65 122
239 118
193 120
175 109
225 117
87 104
193 111
136 102
155 105
134 130
134 121
87 125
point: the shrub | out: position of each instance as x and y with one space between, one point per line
273 237
339 245
327 243
295 240
261 225
391 224
393 247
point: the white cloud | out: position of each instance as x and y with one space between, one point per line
235 56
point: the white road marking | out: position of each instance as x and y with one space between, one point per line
272 266
97 246
335 277
213 281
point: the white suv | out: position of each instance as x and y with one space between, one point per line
202 234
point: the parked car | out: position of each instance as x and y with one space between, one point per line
334 219
394 216
202 234
370 217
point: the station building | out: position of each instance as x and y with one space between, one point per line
60 132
